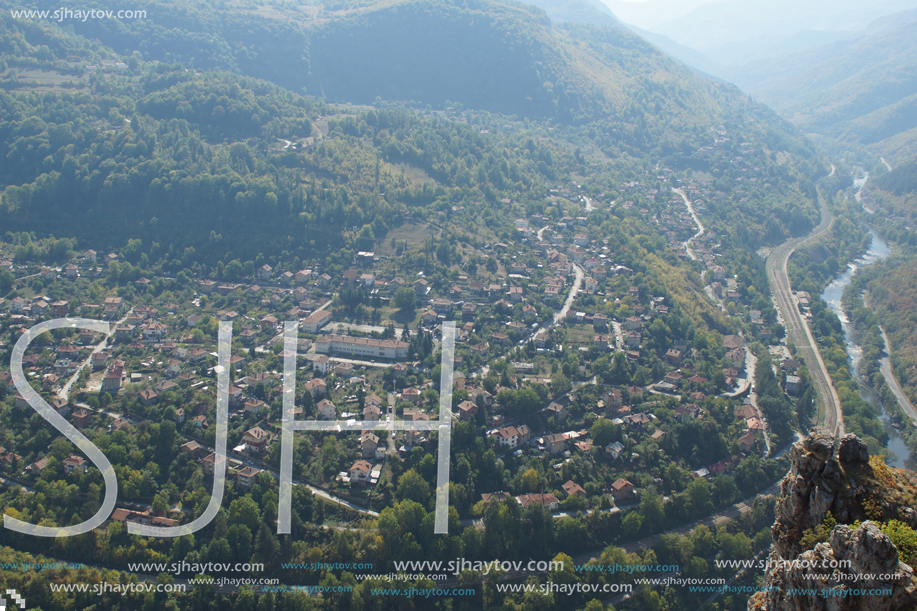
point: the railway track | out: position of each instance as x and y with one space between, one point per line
797 329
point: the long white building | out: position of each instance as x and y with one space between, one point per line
362 347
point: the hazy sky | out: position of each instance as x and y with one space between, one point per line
648 13
830 15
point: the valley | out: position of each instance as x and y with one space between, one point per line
632 257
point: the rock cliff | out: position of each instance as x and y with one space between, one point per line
829 550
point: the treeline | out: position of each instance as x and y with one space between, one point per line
892 293
868 332
35 43
221 108
694 553
901 180
816 265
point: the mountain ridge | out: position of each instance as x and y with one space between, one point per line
505 57
859 92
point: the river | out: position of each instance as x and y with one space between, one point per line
899 454
858 184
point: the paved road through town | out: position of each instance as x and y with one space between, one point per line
700 227
65 390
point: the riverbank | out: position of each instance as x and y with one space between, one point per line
900 454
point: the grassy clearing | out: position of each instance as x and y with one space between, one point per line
416 175
410 233
35 79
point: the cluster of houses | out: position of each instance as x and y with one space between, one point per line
515 437
620 490
512 306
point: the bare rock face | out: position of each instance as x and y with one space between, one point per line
859 569
852 449
808 490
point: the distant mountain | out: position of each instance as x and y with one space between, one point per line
861 91
595 13
454 55
781 80
577 11
688 56
651 13
739 31
729 54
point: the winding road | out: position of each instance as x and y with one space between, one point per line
796 327
87 362
571 296
574 290
700 227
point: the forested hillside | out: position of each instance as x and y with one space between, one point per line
892 286
900 181
185 154
496 56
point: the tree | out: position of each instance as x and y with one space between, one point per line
219 550
652 510
444 253
696 568
805 408
307 403
904 538
699 493
267 548
725 490
405 300
530 480
161 503
412 487
233 270
620 368
246 600
603 432
245 511
240 540
632 523
569 532
560 385
6 281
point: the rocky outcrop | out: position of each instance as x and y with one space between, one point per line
855 569
852 449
